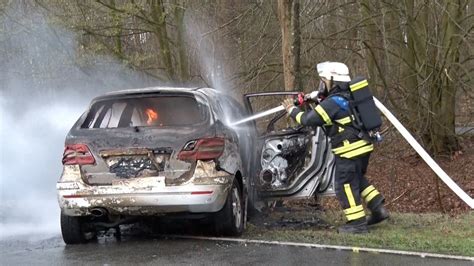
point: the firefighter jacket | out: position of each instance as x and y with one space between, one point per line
335 115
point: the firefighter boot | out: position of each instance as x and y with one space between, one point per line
378 215
358 226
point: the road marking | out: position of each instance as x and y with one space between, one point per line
321 246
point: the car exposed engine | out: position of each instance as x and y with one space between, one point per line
281 159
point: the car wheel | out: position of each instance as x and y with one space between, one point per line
72 229
230 220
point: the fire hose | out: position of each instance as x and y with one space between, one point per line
408 137
424 155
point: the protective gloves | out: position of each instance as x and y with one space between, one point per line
289 105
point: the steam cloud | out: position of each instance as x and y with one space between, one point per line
43 91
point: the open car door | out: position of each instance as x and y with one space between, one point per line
295 161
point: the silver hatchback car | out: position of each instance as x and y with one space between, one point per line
169 151
151 152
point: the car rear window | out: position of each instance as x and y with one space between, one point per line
157 111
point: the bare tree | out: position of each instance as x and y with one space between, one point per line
417 54
288 14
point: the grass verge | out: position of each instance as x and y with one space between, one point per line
434 233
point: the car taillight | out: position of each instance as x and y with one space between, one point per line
202 149
77 154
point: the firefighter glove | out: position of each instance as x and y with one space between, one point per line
288 104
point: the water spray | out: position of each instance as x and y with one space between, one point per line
259 115
298 101
408 137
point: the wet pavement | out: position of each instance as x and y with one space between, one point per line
148 250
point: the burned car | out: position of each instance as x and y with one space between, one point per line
171 151
151 152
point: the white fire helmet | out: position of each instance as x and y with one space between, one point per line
338 71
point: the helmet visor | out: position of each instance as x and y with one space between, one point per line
323 89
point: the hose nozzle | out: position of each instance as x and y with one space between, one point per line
300 99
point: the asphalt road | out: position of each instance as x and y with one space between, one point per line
37 250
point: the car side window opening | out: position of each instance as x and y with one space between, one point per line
263 103
159 111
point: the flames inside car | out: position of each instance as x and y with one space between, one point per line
158 111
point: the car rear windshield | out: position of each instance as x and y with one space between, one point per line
157 111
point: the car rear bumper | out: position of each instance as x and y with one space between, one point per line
142 196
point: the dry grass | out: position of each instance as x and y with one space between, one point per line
404 231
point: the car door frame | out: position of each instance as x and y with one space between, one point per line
308 182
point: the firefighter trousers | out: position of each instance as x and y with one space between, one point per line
352 187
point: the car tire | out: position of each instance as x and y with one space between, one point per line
230 220
72 229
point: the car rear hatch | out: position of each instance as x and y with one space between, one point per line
142 135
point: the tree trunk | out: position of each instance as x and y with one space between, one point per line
288 14
442 135
369 37
372 42
118 26
179 10
158 15
409 72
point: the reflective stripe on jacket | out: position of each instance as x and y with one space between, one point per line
332 113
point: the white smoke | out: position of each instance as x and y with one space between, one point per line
208 48
43 91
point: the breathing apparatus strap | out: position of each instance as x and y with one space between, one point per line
354 128
349 130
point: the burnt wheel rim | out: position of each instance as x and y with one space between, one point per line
236 208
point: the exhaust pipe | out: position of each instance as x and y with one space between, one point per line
98 212
128 220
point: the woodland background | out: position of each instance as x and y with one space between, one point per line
418 55
55 55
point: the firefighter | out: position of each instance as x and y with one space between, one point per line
351 151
